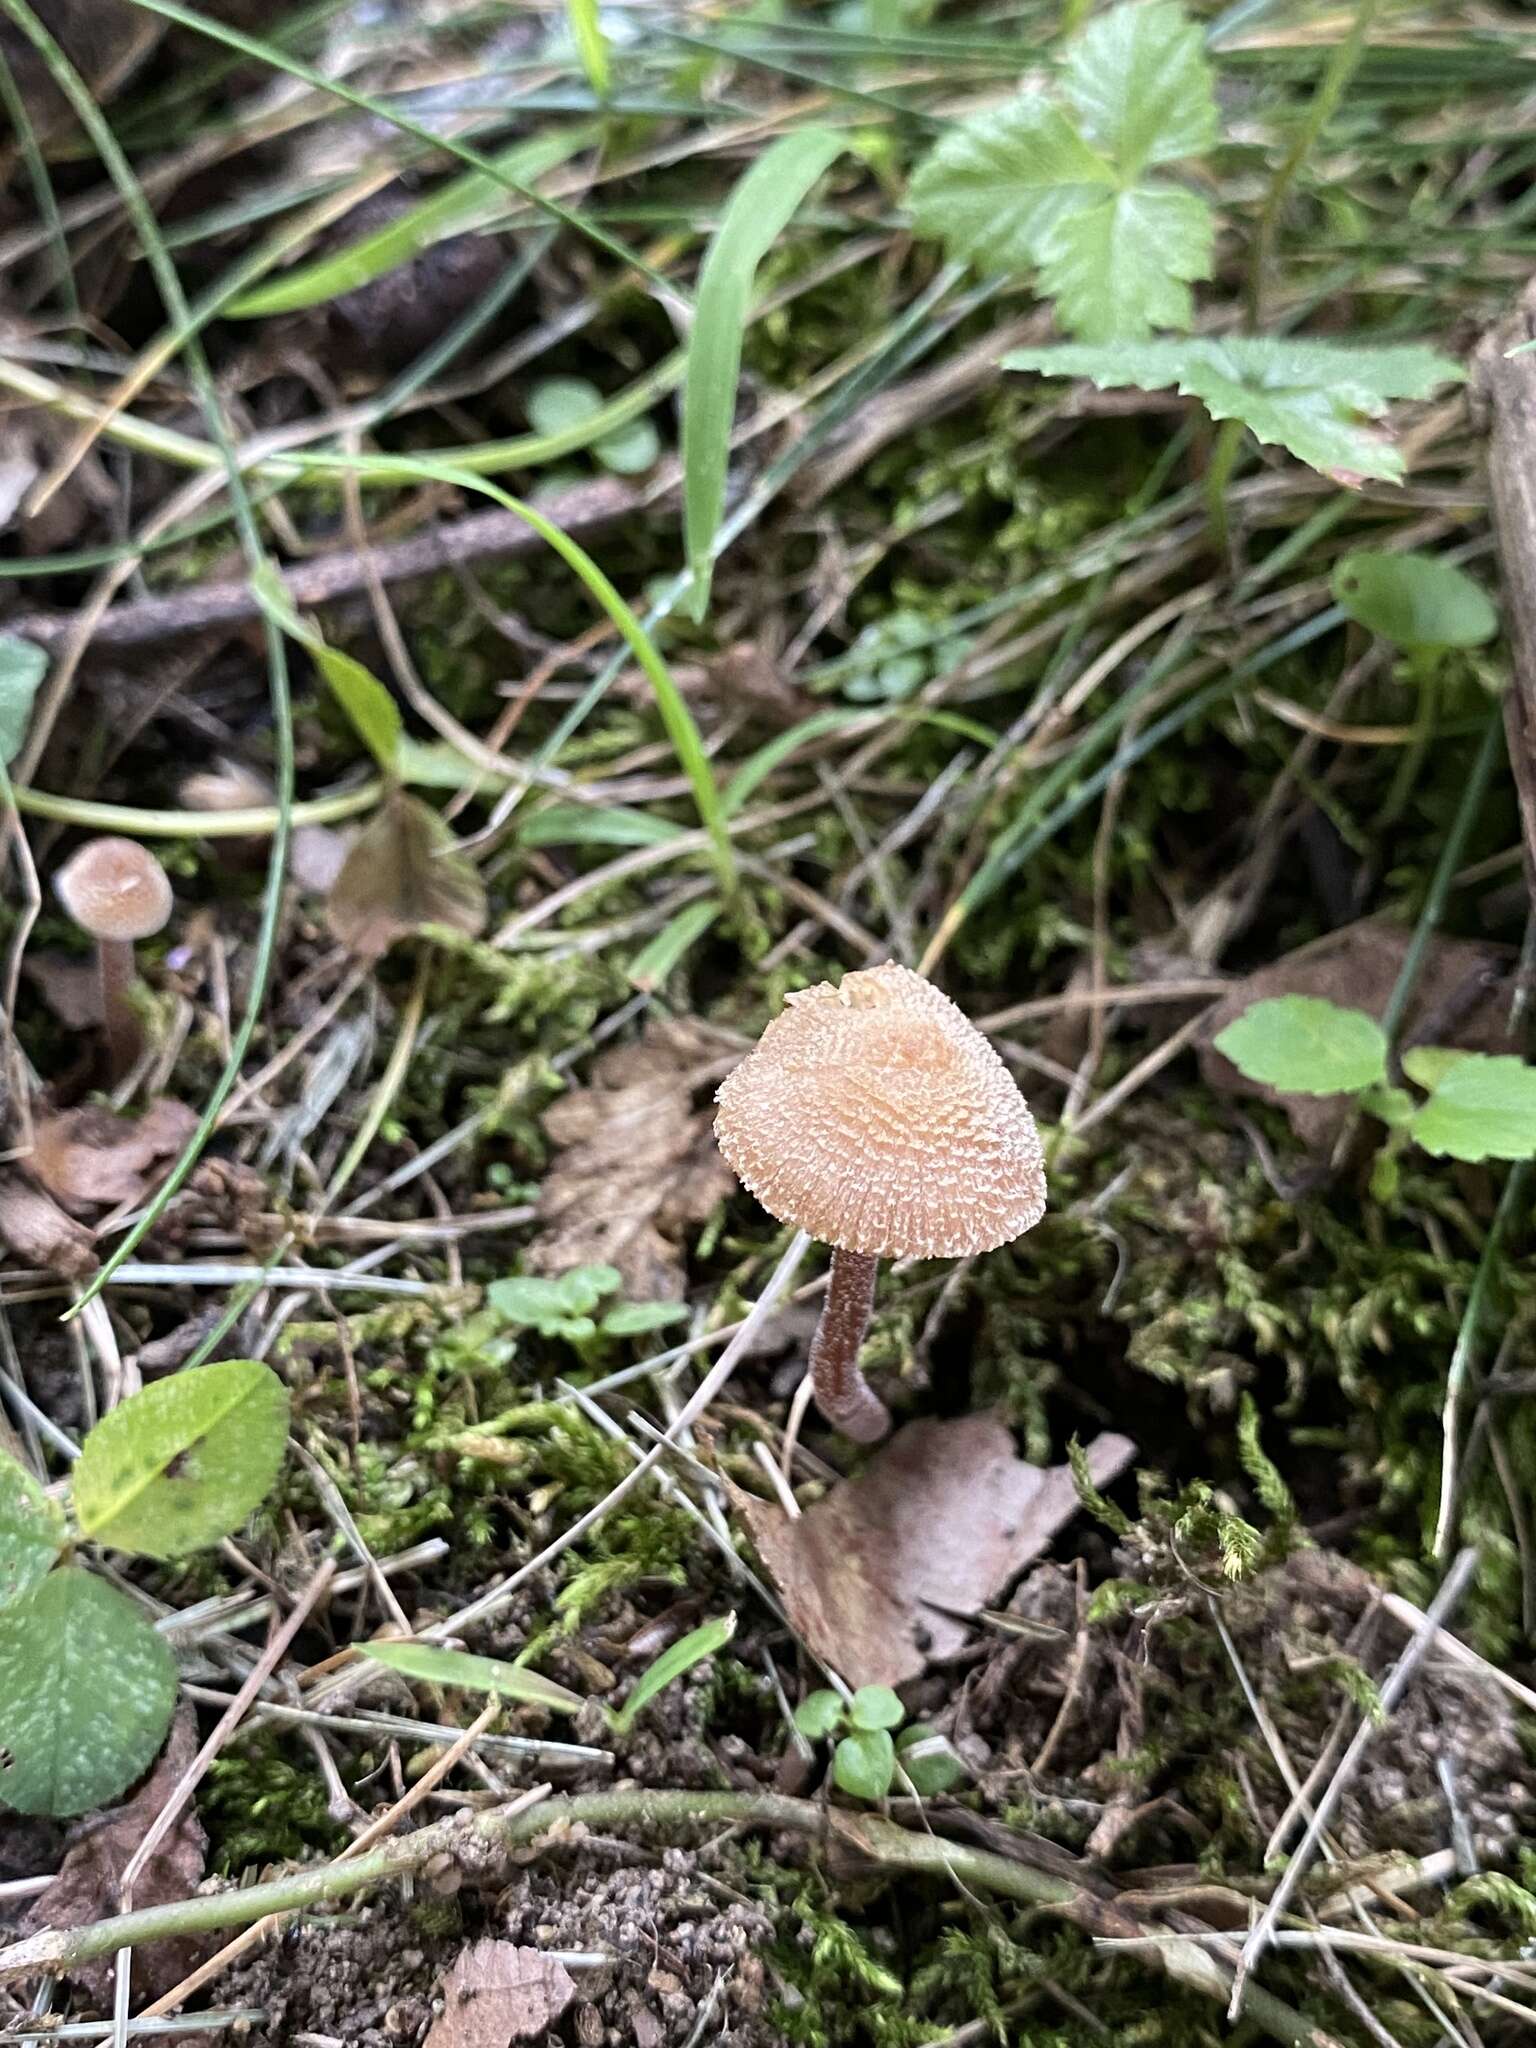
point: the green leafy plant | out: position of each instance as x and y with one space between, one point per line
22 668
1478 1105
557 405
566 1307
1420 603
87 1685
868 1752
1068 186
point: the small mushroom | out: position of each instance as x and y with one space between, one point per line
117 891
876 1117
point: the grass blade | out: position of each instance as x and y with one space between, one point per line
653 963
591 44
760 208
699 1643
434 1666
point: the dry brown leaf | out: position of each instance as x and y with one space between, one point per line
880 1574
497 1992
637 1164
1461 998
86 1887
88 1158
37 1230
403 871
70 988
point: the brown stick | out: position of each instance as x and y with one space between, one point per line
581 509
843 1395
1504 391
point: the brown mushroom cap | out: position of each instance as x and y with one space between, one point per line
115 889
877 1117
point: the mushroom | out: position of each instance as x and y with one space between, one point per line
117 891
876 1117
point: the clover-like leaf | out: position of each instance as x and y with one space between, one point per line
31 1531
1483 1107
819 1713
876 1706
1304 1045
1125 263
86 1693
183 1462
1316 398
864 1763
1415 601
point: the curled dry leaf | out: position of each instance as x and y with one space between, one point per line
89 1159
1461 998
879 1576
404 871
637 1164
496 1993
87 1886
37 1230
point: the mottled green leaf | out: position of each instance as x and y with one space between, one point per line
86 1693
183 1462
31 1531
1303 1045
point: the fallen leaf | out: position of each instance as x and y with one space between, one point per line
87 1886
497 1992
88 1158
879 1576
1461 998
37 1230
637 1164
403 871
70 988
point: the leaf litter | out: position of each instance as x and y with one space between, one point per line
498 1992
882 1575
89 1158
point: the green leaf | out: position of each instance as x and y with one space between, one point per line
432 1666
689 1650
1141 86
758 211
86 1693
31 1531
470 201
864 1763
1312 397
372 711
591 43
1415 601
1024 187
876 1706
22 668
556 404
930 1761
183 1462
1303 1045
1484 1107
629 450
640 1318
655 961
818 1714
1428 1065
597 825
549 1305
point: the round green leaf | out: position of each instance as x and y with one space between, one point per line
1415 601
184 1462
1483 1107
875 1706
930 1761
86 1692
1303 1045
818 1714
556 404
31 1531
630 449
864 1763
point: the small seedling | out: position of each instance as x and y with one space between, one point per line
567 1307
87 1684
868 1755
1477 1105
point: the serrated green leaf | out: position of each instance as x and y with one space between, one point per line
876 1706
993 188
1125 264
930 1760
1303 1045
183 1462
22 668
1312 397
691 1649
864 1763
1483 1107
1428 1065
31 1531
818 1714
457 1668
1140 84
545 1304
86 1693
1415 601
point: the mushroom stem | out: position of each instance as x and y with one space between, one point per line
843 1395
119 1019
